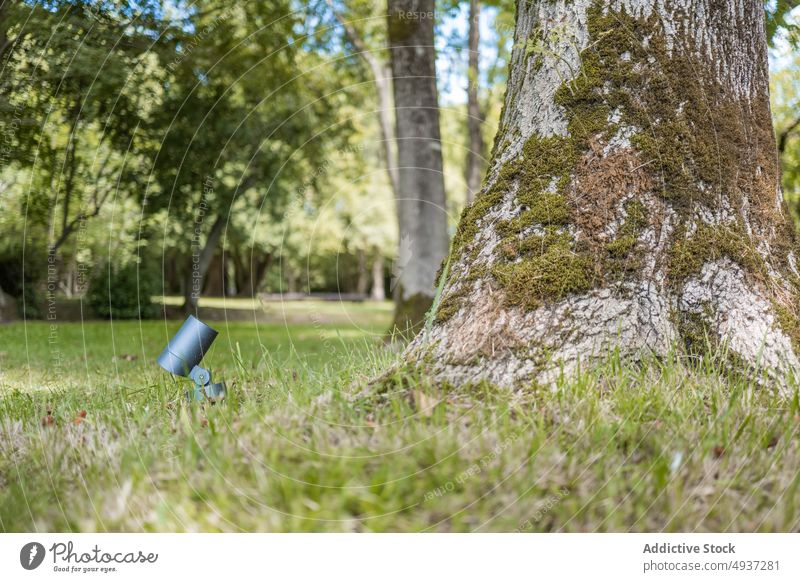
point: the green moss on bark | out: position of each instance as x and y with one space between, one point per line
691 142
688 254
789 322
550 269
448 307
694 330
687 126
469 225
624 255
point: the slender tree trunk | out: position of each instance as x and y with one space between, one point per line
362 281
249 274
214 280
383 80
7 45
8 307
421 202
241 273
228 278
291 279
474 165
198 266
259 270
70 163
382 76
4 42
378 292
632 200
171 276
68 170
783 136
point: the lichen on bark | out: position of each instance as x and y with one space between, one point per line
633 192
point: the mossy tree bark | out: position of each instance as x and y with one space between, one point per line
421 198
632 201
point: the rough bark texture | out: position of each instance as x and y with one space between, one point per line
475 161
632 200
421 202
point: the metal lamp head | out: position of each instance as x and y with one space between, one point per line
187 348
183 355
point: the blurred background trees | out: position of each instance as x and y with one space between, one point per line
221 148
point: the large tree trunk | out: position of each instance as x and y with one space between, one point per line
632 200
474 165
421 202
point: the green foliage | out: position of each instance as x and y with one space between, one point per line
785 95
78 82
137 119
780 21
129 110
123 292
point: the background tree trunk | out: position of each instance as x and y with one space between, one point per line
632 200
198 267
362 278
382 76
474 165
8 307
214 280
250 267
421 203
378 292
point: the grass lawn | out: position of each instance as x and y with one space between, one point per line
94 436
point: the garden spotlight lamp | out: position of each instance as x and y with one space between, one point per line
183 354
